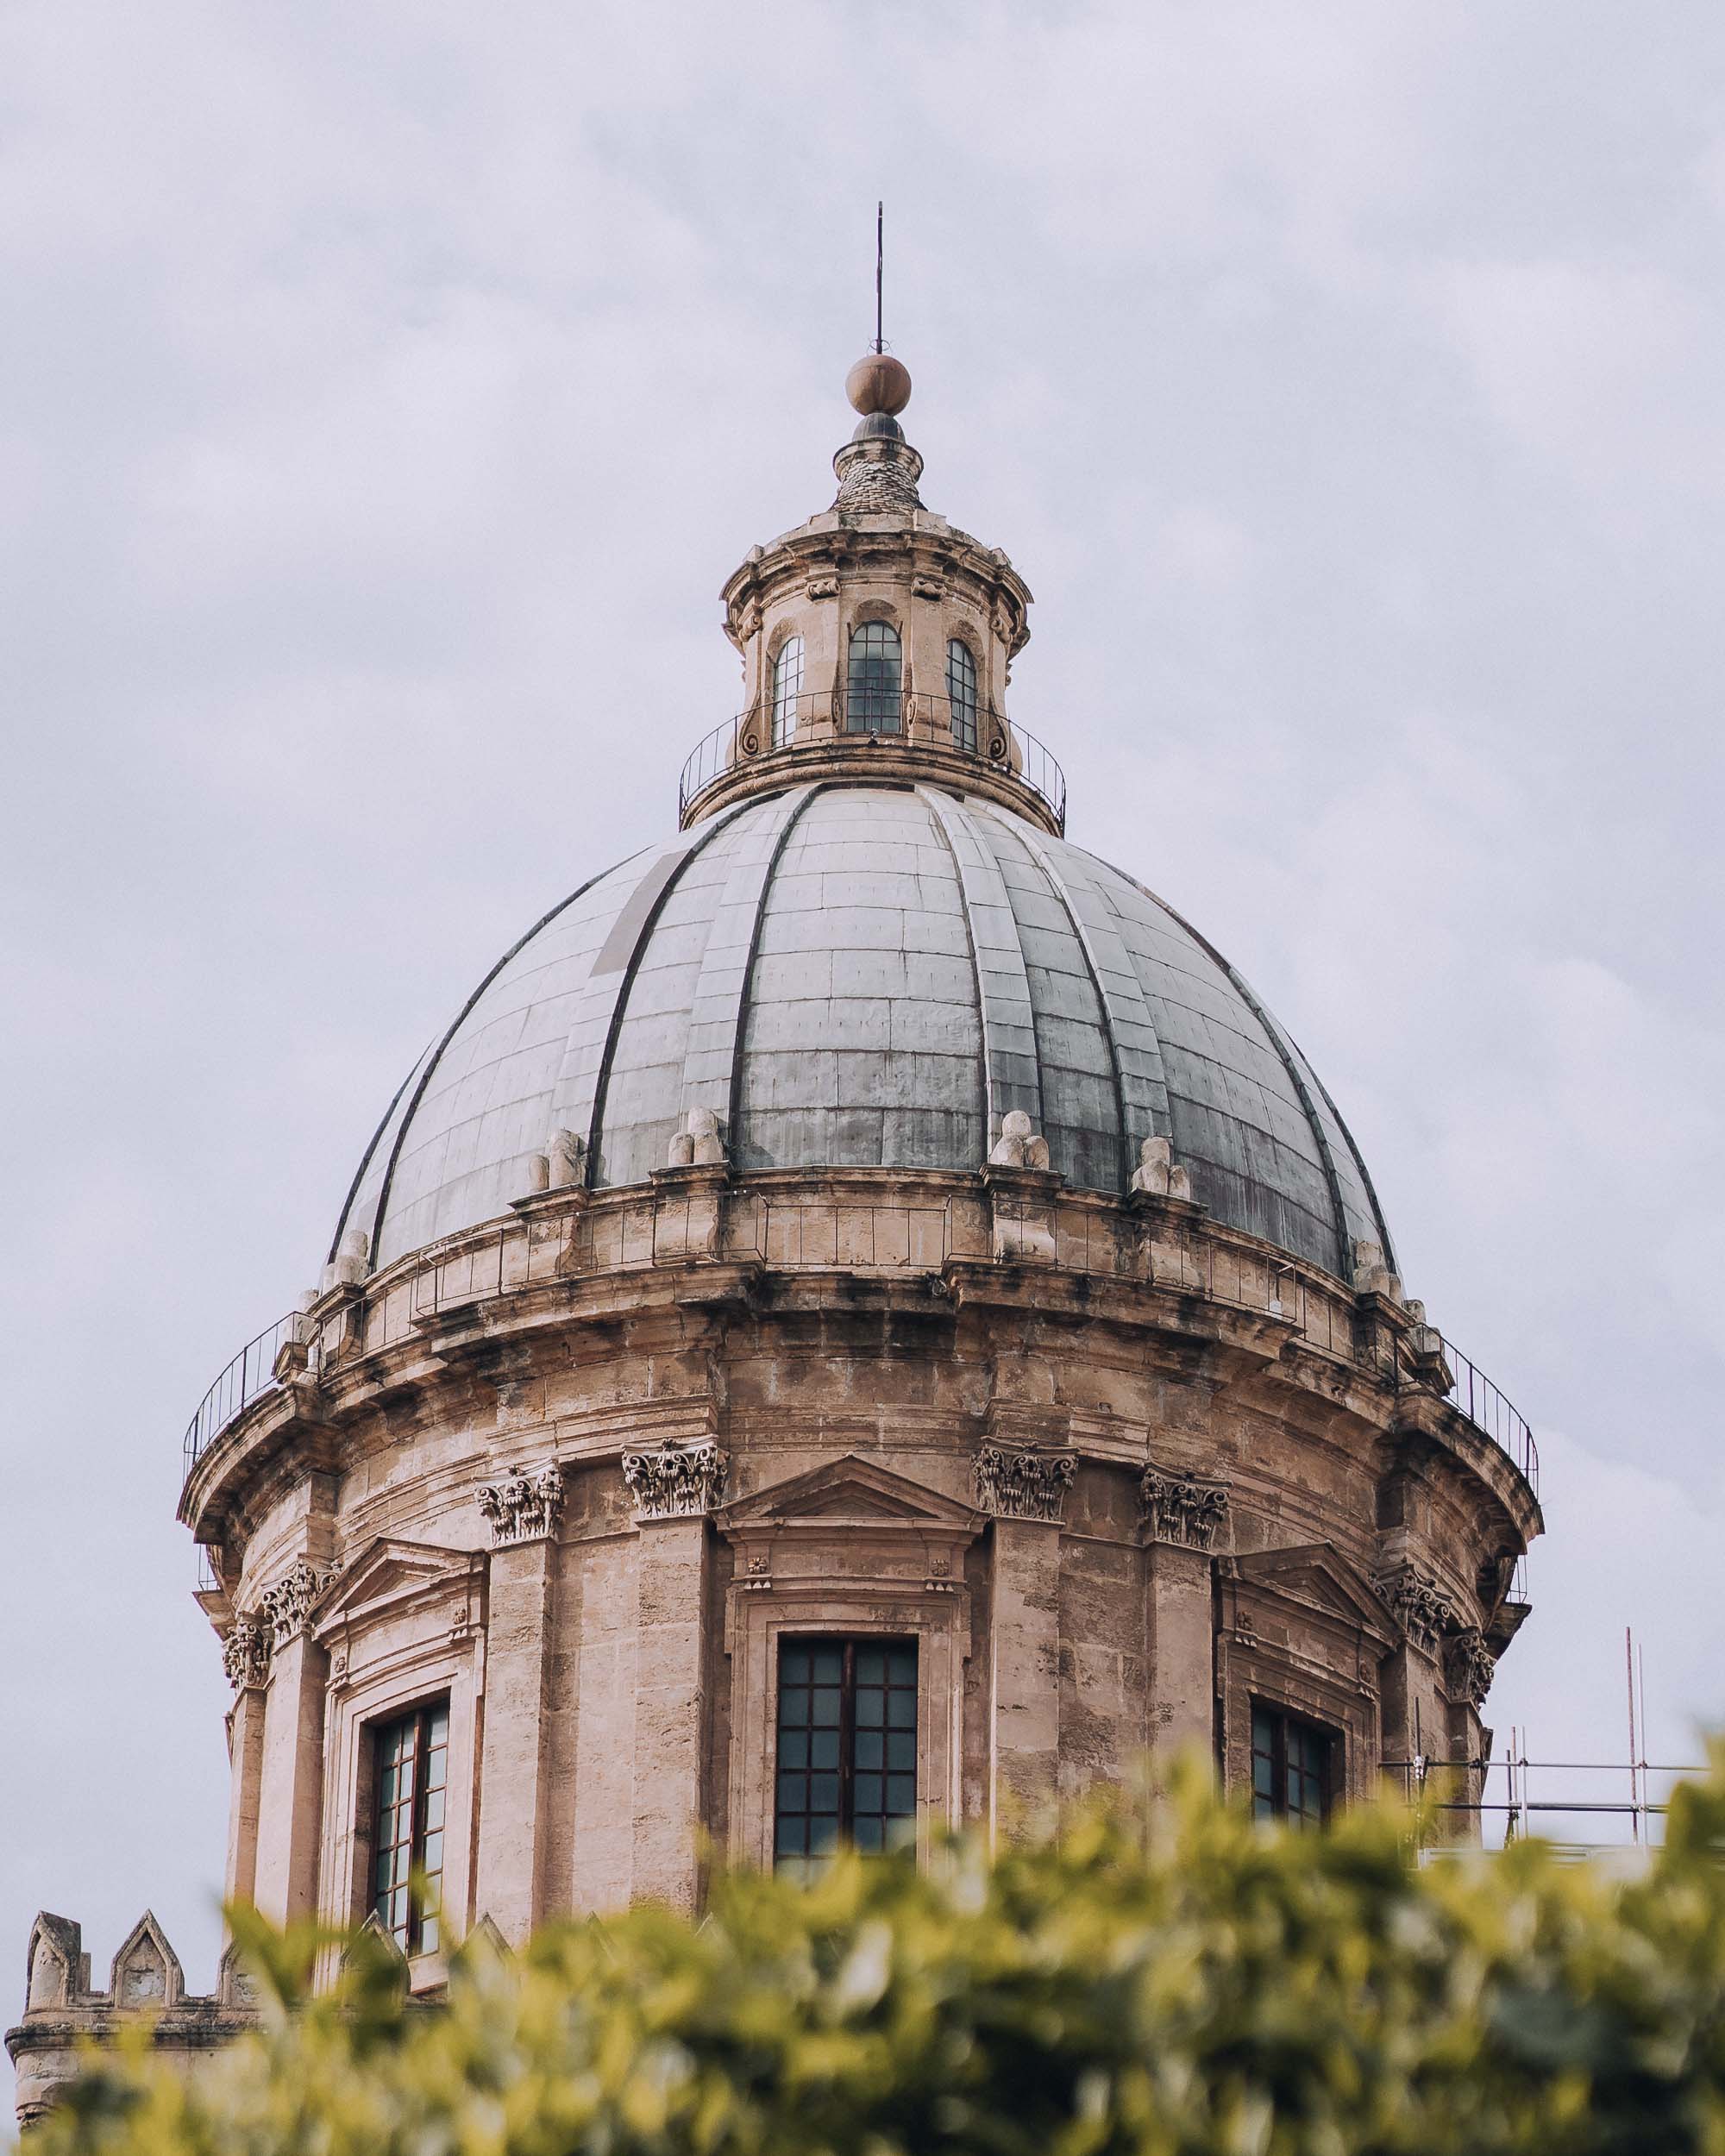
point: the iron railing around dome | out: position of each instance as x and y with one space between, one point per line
1472 1393
630 1231
250 1373
772 730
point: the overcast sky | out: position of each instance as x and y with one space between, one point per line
385 392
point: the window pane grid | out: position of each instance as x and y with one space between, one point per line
871 702
960 694
847 1749
788 682
412 1758
1290 1768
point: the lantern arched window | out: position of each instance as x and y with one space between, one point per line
874 681
960 694
788 682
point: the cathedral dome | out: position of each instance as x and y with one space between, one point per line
852 974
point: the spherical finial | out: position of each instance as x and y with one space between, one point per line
878 382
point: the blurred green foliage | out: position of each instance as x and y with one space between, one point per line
1167 1979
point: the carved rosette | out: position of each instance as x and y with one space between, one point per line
1017 1485
286 1602
1469 1667
1419 1605
522 1508
1181 1509
677 1482
246 1653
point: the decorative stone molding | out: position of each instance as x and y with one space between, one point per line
286 1602
1181 1509
1016 1485
1469 1667
697 1145
1419 1605
1019 1144
1156 1173
246 1653
677 1482
522 1508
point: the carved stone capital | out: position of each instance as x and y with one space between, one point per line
522 1508
677 1482
1181 1509
1469 1667
246 1651
1419 1605
286 1601
1016 1485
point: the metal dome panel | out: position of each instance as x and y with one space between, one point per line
867 976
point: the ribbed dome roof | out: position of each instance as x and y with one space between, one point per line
862 975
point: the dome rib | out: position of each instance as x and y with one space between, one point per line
583 1082
1292 1062
428 1063
712 1065
1140 1082
1012 1070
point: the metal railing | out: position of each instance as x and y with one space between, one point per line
1426 1359
956 727
251 1372
847 1230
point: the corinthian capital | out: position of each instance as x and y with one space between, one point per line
1181 1509
1018 1485
286 1601
246 1651
678 1480
522 1508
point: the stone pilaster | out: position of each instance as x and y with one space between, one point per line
245 1769
670 1706
515 1794
290 1771
1024 1676
1183 1517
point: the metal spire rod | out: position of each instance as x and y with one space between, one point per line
880 269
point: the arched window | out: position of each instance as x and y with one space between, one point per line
961 695
871 701
788 681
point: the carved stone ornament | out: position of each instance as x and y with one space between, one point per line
1019 1144
286 1602
697 1145
677 1482
522 1508
1017 1485
1156 1173
1469 1667
1419 1605
1182 1509
246 1651
566 1161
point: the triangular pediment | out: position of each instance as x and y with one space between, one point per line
847 1490
1317 1576
390 1570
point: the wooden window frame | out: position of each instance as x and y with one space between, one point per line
422 1931
849 1645
1283 1719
